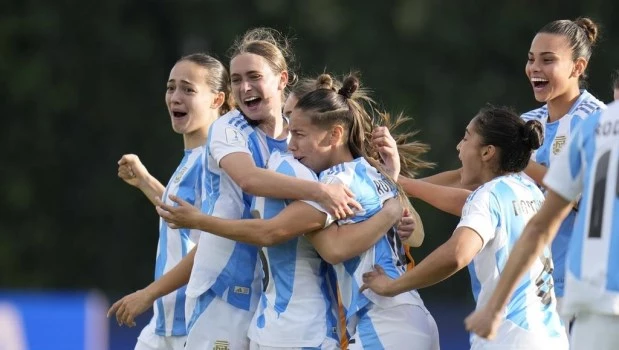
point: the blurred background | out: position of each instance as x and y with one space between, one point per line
84 83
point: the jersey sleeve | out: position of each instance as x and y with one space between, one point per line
326 179
225 139
481 214
565 174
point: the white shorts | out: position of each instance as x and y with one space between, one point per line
149 340
328 344
395 327
512 337
217 325
592 331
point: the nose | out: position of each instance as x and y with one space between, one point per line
292 147
458 146
245 86
176 97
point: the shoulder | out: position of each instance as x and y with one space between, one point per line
589 105
536 114
233 119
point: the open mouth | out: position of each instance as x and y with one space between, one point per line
179 114
252 101
539 83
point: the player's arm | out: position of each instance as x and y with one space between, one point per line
336 198
415 239
446 260
536 172
134 304
448 199
133 172
338 243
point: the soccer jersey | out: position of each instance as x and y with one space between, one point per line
498 211
186 183
371 190
556 135
590 165
226 267
294 309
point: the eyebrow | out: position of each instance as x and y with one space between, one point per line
544 53
245 73
182 81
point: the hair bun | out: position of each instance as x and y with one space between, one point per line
532 134
591 29
349 86
324 81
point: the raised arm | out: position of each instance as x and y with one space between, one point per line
446 260
337 198
133 172
338 243
448 199
134 304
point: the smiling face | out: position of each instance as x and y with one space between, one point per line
257 90
189 99
309 143
550 67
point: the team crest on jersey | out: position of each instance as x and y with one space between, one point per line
221 345
180 174
557 145
234 137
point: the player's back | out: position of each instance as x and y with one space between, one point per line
371 190
294 309
593 257
498 211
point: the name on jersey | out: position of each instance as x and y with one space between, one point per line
609 127
526 207
557 145
382 187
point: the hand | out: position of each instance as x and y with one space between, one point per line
131 170
483 322
339 201
131 306
387 148
407 225
184 215
378 281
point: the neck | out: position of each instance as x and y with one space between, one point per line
195 138
341 155
275 126
560 105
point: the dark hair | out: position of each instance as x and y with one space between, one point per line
270 45
516 139
347 106
217 77
582 34
304 86
616 79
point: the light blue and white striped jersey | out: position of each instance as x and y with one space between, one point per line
590 165
174 244
498 211
228 268
295 308
371 190
556 135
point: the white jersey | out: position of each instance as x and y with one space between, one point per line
590 165
371 190
224 266
556 135
294 309
498 211
174 244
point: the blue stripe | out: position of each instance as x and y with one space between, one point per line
367 333
542 156
612 277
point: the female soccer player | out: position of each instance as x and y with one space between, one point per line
197 94
589 164
497 145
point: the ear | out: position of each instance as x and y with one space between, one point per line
488 152
283 80
337 135
219 100
580 65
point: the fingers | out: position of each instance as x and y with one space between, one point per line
179 200
114 308
363 287
379 269
406 212
160 204
354 205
